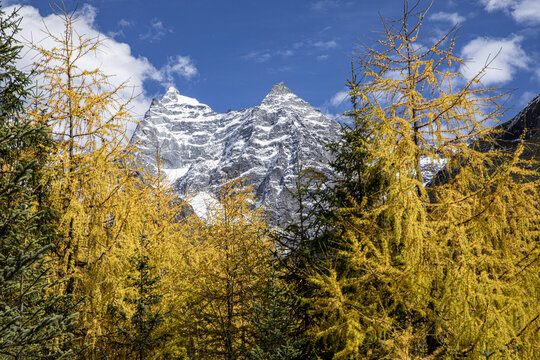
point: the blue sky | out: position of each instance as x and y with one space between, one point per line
228 54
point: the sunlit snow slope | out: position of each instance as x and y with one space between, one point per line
200 148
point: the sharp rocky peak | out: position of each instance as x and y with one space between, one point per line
199 147
280 89
282 96
525 124
173 96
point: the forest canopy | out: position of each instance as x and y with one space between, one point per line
100 259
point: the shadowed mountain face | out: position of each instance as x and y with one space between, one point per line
524 127
525 124
200 148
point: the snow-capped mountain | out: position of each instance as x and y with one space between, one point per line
200 148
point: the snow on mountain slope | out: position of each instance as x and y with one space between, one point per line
200 148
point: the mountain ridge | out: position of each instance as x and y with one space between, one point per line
200 148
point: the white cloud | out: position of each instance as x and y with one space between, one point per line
113 58
325 44
335 105
504 57
261 56
6 3
453 18
525 98
257 56
324 5
492 5
339 98
125 23
181 66
286 53
527 11
394 75
265 55
319 44
122 25
322 57
156 31
523 11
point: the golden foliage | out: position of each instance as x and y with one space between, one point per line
218 276
105 202
443 270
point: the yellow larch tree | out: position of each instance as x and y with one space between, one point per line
106 203
159 226
224 270
445 270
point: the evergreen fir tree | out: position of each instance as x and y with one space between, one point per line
319 234
275 323
137 335
32 322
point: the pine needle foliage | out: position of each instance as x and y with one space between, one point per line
33 324
275 323
137 337
105 200
226 269
447 270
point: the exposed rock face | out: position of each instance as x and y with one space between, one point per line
527 120
525 124
199 147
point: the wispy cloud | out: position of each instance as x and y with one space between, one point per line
257 56
339 98
176 66
504 58
114 58
279 70
326 44
493 5
322 57
453 18
311 43
265 55
122 25
286 53
156 31
314 47
522 11
325 5
525 98
527 11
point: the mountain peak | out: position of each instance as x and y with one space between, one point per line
199 147
173 96
280 89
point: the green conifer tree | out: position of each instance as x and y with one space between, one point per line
33 324
275 325
137 336
319 235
